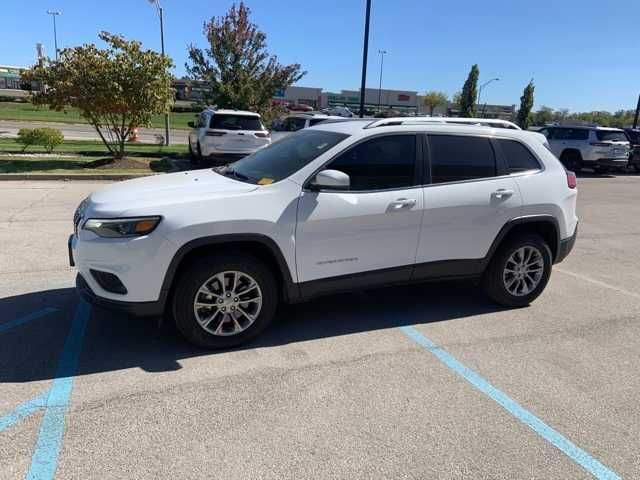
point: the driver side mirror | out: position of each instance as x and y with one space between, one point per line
191 124
330 180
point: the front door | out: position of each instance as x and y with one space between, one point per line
370 229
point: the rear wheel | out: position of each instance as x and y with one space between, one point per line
224 301
572 160
519 271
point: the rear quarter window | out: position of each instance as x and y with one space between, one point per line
611 136
518 157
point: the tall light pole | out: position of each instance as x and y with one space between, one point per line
382 54
483 86
54 14
365 52
161 16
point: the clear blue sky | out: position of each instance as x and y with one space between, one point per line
582 54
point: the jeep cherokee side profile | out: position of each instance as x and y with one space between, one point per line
335 207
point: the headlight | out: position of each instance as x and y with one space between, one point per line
121 227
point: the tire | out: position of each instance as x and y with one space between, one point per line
193 159
495 278
637 167
572 161
190 318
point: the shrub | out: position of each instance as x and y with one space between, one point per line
49 138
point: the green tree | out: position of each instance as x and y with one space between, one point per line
237 68
434 99
543 116
470 93
526 104
116 89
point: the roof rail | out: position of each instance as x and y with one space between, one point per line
483 122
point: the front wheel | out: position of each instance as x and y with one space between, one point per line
519 271
225 300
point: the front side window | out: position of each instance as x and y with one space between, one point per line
293 124
380 163
224 121
518 157
456 158
283 158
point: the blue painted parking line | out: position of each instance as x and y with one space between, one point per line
23 411
552 436
44 460
5 327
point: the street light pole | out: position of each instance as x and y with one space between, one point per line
635 119
364 57
382 54
54 14
484 85
161 15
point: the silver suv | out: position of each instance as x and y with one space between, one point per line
592 147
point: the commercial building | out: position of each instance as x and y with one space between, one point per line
10 77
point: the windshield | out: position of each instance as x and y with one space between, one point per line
235 122
611 136
282 158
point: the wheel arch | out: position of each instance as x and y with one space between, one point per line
257 245
544 225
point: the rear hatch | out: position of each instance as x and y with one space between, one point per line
614 143
236 133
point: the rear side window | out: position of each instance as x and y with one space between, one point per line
380 163
571 134
316 121
235 122
518 157
456 158
611 136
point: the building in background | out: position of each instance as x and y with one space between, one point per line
10 77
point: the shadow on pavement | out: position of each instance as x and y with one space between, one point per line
113 342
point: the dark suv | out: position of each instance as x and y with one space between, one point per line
634 137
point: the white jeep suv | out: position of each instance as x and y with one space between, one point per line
599 148
226 135
336 207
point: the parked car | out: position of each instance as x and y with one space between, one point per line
338 112
593 147
634 138
226 135
297 121
299 107
335 207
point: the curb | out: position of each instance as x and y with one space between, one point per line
72 176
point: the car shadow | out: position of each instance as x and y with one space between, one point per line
114 342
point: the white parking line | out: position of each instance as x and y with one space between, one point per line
598 282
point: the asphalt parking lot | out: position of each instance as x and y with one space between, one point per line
416 382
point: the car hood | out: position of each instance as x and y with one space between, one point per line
157 190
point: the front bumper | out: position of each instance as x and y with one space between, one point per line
138 309
565 247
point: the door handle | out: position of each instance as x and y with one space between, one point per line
401 203
502 193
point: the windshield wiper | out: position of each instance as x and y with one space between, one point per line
230 172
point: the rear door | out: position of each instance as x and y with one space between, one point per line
468 200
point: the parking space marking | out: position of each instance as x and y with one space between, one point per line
598 282
552 436
23 411
27 318
44 460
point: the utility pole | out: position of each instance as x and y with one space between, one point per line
382 54
635 119
161 15
54 14
364 57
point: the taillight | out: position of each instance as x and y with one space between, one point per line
600 144
572 181
262 134
215 134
